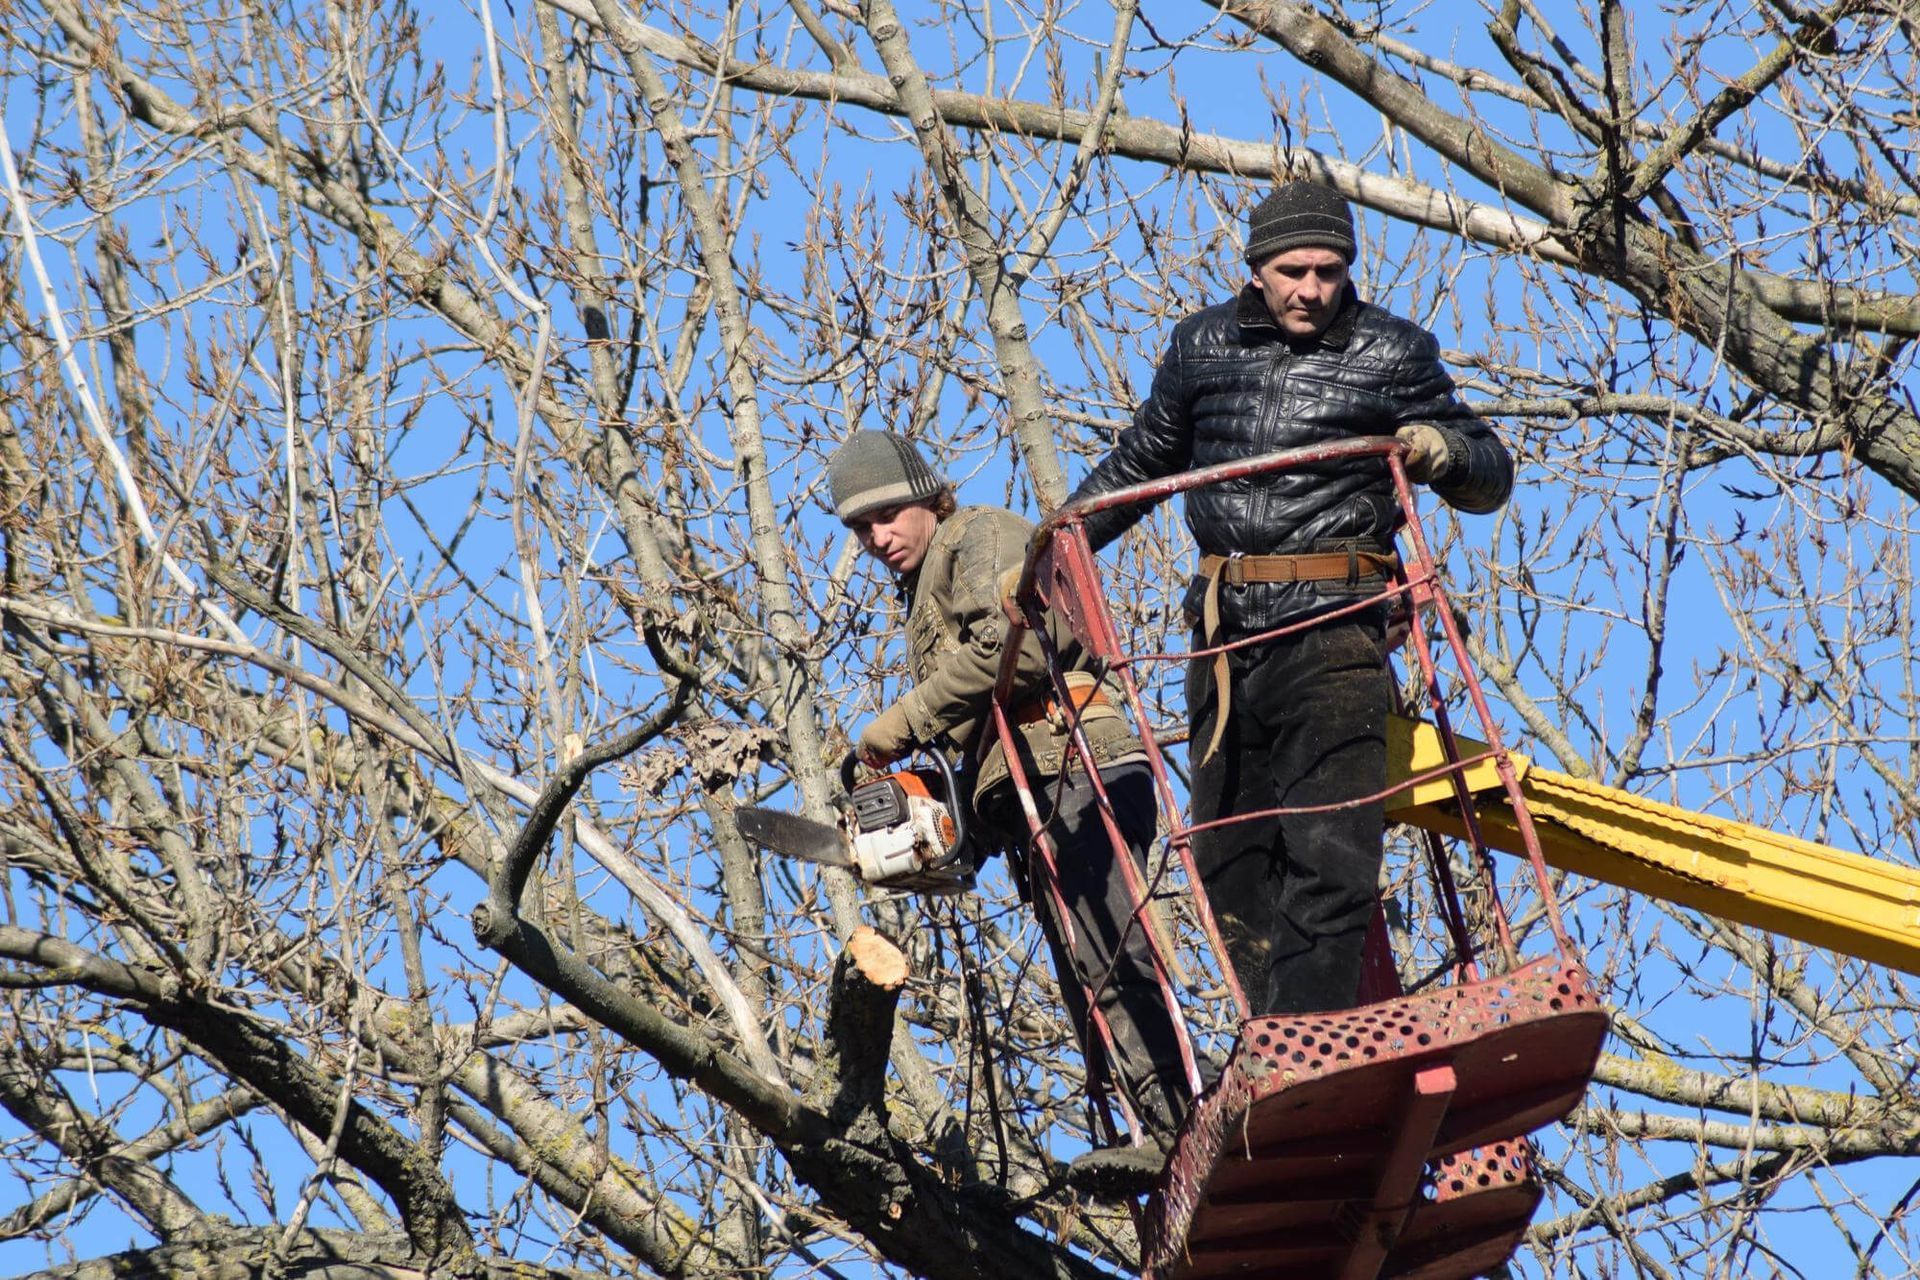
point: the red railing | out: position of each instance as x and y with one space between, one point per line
1061 576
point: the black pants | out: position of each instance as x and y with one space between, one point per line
1306 726
1110 954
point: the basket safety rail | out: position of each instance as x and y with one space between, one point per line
1387 1140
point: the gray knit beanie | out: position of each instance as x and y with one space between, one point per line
875 469
1300 215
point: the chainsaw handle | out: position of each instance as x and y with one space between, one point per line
956 810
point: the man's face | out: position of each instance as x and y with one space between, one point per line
897 536
1302 288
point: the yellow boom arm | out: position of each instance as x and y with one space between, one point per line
1856 905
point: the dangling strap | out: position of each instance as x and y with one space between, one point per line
1211 568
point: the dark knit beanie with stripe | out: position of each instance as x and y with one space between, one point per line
1299 215
876 469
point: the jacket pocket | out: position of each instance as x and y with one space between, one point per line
926 640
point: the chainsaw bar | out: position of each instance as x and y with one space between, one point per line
795 836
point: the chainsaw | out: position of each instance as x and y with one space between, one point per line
896 832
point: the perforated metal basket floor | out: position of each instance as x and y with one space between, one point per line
1386 1140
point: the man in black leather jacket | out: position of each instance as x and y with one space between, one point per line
1296 359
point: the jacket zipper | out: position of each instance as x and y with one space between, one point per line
1263 441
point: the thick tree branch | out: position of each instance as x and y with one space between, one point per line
35 1098
1896 1123
253 1053
242 1253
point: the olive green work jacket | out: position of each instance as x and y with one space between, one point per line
956 633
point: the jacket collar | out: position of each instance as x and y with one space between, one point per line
1257 326
908 584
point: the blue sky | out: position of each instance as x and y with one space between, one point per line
1592 608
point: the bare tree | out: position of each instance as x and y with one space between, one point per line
410 465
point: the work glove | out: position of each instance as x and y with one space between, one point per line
1426 451
1008 584
886 738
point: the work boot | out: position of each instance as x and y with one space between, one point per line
1123 1172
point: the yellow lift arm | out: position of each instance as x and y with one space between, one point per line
1856 905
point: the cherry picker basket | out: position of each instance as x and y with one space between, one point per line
1384 1140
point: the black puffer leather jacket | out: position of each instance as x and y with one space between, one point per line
1231 386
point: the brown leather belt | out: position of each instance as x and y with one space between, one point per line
1314 566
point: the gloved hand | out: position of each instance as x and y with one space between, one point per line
1426 451
886 738
1008 584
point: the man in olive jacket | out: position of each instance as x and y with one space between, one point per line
1296 359
949 562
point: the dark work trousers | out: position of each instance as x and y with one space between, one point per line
1110 952
1306 726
